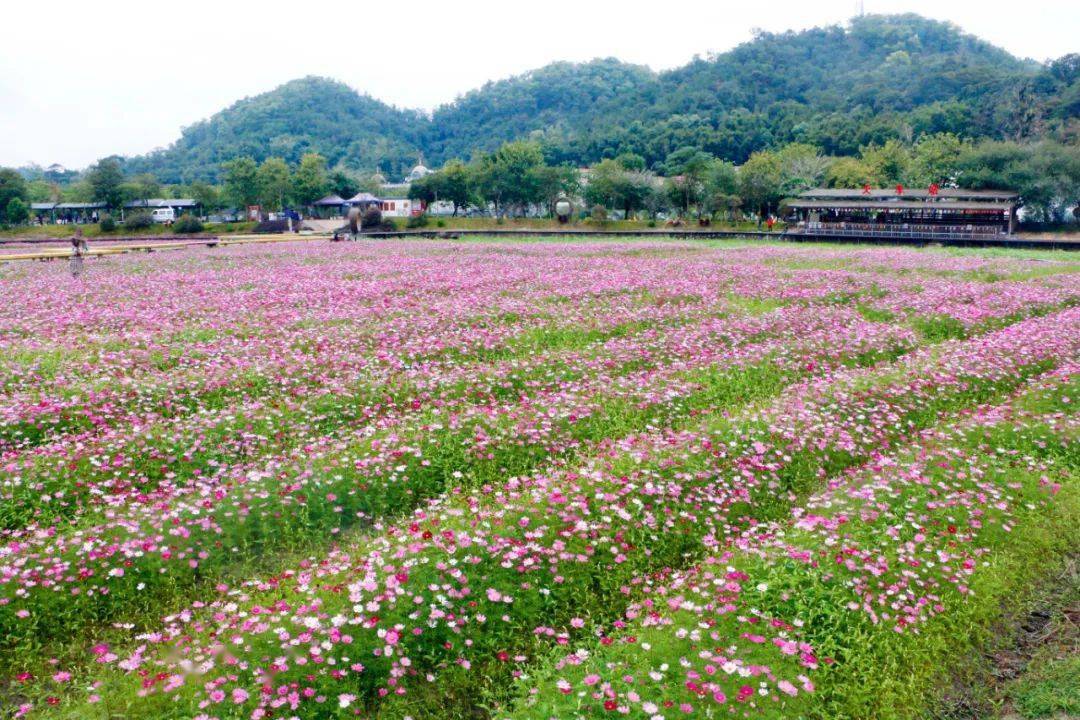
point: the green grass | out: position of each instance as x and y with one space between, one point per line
1049 689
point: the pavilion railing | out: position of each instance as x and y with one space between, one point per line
905 232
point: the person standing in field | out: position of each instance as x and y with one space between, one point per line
78 248
354 223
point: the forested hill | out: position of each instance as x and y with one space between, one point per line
306 115
838 88
834 87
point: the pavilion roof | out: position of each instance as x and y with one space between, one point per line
860 204
923 193
162 203
363 197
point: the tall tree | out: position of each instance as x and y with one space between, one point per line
760 182
310 182
686 169
241 182
850 173
554 182
890 163
343 184
507 177
722 188
205 194
935 159
17 211
801 167
106 179
12 187
273 182
454 184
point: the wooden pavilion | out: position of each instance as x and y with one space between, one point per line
902 213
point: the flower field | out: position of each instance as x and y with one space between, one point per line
526 480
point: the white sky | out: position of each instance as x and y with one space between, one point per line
80 80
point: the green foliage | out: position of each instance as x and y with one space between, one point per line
187 224
371 219
761 182
1051 689
205 194
138 221
141 187
343 184
848 172
107 224
241 182
935 159
17 212
43 191
801 167
273 182
553 182
888 163
417 221
1046 174
106 180
310 182
12 187
450 183
508 176
308 115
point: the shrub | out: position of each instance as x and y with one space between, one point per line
271 226
372 218
17 212
138 221
440 223
417 221
599 214
107 224
187 224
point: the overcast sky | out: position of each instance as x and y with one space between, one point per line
80 80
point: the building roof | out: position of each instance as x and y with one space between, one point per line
880 193
363 197
81 206
42 206
859 204
330 200
162 203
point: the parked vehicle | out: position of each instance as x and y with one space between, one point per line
164 215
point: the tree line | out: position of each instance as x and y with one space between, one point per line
692 182
519 177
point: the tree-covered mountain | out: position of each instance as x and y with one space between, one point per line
307 115
838 88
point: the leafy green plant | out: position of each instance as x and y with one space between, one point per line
138 221
187 224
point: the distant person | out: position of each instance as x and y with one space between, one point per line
78 249
355 223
